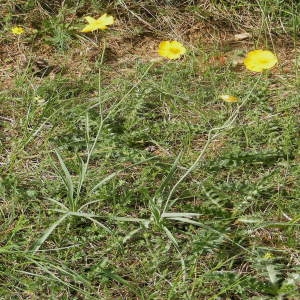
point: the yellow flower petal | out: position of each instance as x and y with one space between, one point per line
229 98
260 60
17 30
171 50
88 28
106 20
100 23
90 19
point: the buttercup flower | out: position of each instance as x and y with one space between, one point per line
229 98
268 255
100 23
171 50
17 30
259 60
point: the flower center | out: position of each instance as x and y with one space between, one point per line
175 50
264 61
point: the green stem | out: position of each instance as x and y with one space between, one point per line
211 137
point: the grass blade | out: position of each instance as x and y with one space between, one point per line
48 232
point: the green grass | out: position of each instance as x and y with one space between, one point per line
124 177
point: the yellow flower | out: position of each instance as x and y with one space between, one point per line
229 98
17 30
268 255
171 50
100 23
259 60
